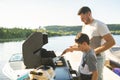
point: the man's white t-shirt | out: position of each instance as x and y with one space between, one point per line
95 31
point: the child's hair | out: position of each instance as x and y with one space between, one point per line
81 37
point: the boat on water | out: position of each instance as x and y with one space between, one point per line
37 63
113 59
15 67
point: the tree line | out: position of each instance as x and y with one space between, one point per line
8 34
54 30
73 30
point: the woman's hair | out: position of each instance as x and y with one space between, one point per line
81 37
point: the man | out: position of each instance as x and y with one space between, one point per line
99 34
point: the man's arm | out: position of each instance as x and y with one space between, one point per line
108 44
95 75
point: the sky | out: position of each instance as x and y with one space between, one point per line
36 13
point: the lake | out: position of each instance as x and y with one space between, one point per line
57 44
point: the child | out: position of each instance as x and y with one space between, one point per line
88 66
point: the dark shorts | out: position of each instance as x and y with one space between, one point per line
85 77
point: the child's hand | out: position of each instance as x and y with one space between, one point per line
67 50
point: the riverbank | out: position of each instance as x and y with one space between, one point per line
10 34
11 40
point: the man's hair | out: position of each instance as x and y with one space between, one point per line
84 10
81 37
